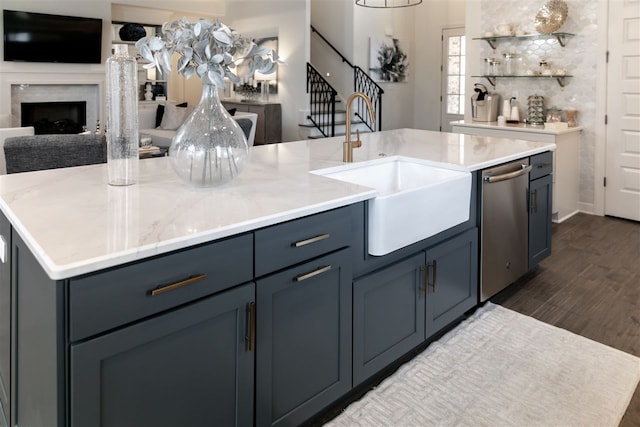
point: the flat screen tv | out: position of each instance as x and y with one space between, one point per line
39 37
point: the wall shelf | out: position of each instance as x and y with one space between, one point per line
561 37
492 78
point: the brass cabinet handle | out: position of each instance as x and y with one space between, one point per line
251 338
311 240
426 269
177 285
319 270
435 275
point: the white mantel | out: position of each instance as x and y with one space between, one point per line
13 76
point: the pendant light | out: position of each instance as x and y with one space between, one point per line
387 4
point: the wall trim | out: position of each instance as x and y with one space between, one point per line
600 149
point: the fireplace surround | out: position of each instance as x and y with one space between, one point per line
58 95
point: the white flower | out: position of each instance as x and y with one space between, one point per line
208 49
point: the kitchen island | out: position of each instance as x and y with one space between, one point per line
179 302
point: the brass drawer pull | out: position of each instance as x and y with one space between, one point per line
319 270
173 286
311 240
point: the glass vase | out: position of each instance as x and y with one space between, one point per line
122 117
209 149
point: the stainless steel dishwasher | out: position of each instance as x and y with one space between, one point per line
505 226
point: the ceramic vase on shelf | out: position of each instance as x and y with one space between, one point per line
571 118
122 117
209 149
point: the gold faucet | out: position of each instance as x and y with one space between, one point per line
348 145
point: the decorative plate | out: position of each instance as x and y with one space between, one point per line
551 16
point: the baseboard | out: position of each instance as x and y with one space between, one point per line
588 208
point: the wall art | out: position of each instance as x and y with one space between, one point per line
388 62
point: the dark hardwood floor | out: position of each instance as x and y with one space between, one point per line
590 285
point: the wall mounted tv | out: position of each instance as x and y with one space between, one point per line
39 37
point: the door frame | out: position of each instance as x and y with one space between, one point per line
443 82
601 111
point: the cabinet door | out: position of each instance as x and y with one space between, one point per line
260 123
539 219
5 319
188 367
303 339
388 316
452 280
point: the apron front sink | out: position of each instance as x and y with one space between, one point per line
414 201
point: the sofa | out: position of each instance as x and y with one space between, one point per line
39 152
161 123
9 132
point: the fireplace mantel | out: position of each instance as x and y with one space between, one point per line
24 85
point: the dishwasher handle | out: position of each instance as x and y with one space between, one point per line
509 175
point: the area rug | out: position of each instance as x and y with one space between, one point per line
502 368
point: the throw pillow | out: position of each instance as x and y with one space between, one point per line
173 116
160 113
232 111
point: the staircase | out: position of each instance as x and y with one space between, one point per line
326 116
309 130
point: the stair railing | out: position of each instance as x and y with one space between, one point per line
322 102
362 82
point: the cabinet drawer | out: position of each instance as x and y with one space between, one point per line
106 300
295 241
541 165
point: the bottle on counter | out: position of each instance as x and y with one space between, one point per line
506 110
515 112
122 117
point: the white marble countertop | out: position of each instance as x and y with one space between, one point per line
518 127
75 223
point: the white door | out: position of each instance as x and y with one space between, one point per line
622 191
453 65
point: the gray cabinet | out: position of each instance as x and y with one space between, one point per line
452 280
5 320
303 332
388 316
269 123
190 367
398 307
540 207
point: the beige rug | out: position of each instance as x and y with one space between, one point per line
501 368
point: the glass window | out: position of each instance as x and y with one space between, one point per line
455 75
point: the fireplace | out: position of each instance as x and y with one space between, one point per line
54 117
63 98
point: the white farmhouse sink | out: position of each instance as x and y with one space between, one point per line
414 200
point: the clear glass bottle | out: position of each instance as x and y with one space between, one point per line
122 117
